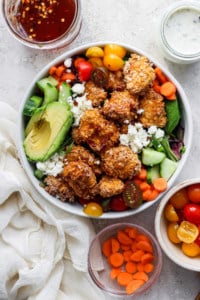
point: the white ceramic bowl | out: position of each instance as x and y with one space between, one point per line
173 251
77 209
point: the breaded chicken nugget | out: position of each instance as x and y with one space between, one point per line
153 108
116 81
96 131
109 186
80 178
138 74
120 162
95 93
122 106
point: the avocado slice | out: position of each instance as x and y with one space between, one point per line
47 130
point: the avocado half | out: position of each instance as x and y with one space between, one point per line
46 131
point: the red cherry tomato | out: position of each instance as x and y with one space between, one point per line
193 192
191 213
117 204
84 69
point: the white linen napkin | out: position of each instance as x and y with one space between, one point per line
43 250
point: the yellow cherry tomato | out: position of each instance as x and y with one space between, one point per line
115 49
179 199
191 250
170 213
96 62
172 232
187 232
94 52
113 62
93 209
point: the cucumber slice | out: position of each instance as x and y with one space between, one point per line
151 157
43 82
31 105
167 168
153 173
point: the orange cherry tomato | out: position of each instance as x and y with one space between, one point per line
170 213
113 62
93 209
191 250
115 49
179 199
187 232
193 192
172 232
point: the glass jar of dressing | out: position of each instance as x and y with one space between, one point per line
180 32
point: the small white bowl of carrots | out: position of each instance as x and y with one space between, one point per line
131 260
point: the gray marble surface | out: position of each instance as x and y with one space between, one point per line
134 22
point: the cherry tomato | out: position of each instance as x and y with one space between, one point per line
84 69
94 52
93 209
193 192
172 232
191 212
179 199
115 49
191 250
170 213
187 232
117 204
132 195
113 62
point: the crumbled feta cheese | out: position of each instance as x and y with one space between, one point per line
78 106
78 88
68 62
152 129
140 111
136 138
53 166
126 122
159 133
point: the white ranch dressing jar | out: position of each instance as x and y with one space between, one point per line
180 32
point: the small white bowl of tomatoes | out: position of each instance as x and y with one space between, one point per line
177 224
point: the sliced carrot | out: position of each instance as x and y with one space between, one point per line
134 285
68 76
125 247
171 97
123 238
145 246
52 70
160 75
167 89
115 245
140 267
137 255
160 184
156 86
148 268
147 258
131 267
142 237
114 272
144 186
134 245
137 181
141 275
150 194
124 278
60 70
133 233
106 248
127 255
116 259
142 174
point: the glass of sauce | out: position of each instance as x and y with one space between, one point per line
43 24
180 32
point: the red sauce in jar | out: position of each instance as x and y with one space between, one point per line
46 20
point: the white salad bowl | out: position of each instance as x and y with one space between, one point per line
76 208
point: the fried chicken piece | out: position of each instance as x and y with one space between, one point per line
154 110
57 187
109 186
80 153
120 162
138 74
95 93
96 131
116 81
122 106
80 178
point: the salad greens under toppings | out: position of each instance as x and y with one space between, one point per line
102 127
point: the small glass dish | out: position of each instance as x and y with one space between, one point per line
28 19
99 268
179 32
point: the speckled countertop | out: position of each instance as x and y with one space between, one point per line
136 23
